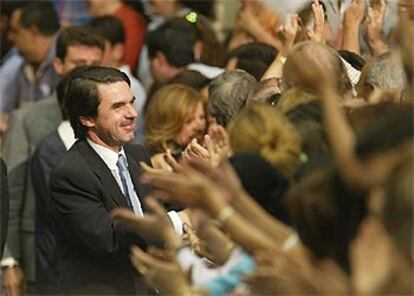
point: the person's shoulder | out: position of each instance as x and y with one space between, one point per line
37 109
43 105
50 145
11 66
70 162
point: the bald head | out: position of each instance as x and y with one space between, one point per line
328 59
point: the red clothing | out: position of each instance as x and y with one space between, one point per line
135 28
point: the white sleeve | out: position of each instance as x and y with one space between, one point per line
177 222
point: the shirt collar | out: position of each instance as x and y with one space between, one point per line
126 69
109 156
66 134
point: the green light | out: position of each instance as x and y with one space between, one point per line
191 17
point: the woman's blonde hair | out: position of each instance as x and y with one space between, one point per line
261 129
166 113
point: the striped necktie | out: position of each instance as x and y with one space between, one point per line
128 186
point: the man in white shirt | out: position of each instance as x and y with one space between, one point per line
99 173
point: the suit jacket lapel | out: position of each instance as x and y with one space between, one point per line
103 173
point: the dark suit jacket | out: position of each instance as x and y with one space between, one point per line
93 252
4 205
44 159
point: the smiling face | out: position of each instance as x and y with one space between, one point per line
114 124
194 126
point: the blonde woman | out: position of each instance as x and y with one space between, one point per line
261 129
175 115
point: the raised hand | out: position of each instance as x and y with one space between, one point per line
311 74
317 32
218 144
374 23
352 19
188 188
248 21
156 225
287 33
215 245
165 276
223 176
163 162
355 13
404 38
195 150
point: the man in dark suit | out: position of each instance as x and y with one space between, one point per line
46 156
99 173
29 125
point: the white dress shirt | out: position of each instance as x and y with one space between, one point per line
110 158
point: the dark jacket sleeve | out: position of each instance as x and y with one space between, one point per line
79 206
4 205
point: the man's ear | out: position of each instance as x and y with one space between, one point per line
58 66
198 50
86 121
118 51
160 59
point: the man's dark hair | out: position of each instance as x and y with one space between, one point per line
63 86
82 97
254 58
109 28
175 39
191 78
9 6
42 15
77 35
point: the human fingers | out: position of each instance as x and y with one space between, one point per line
170 160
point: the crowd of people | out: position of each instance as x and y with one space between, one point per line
141 154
